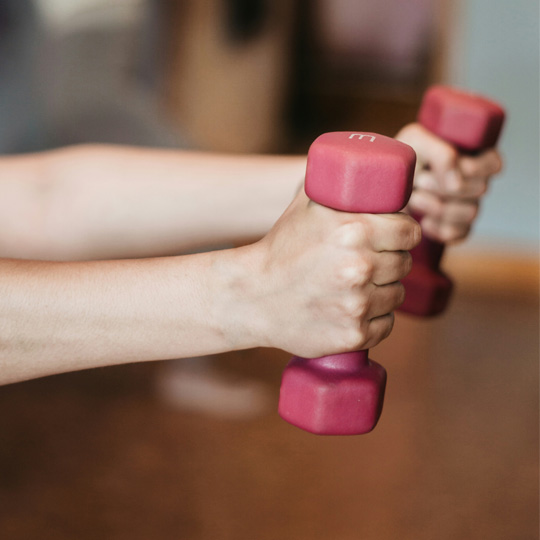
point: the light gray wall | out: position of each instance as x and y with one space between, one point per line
495 50
79 71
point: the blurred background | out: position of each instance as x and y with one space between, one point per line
455 456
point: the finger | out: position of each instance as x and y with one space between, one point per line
453 182
486 164
426 180
392 232
426 203
391 266
445 210
460 212
445 232
385 299
433 153
473 188
469 188
379 328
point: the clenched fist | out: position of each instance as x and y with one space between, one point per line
329 280
448 186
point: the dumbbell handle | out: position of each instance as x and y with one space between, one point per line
429 252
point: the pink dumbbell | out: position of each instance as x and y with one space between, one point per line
472 123
343 394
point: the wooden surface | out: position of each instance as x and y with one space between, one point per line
491 272
455 456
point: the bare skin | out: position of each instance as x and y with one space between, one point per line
332 293
318 282
448 186
103 202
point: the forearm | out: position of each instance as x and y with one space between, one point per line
57 317
114 202
334 293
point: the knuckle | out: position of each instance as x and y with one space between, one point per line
352 234
349 275
361 308
353 339
346 308
354 307
358 273
365 269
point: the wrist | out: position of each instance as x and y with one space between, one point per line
239 297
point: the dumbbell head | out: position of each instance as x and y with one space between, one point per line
355 172
360 172
466 120
342 394
427 291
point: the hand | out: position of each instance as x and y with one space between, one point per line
448 186
330 279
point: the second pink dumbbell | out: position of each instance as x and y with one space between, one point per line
343 394
471 123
